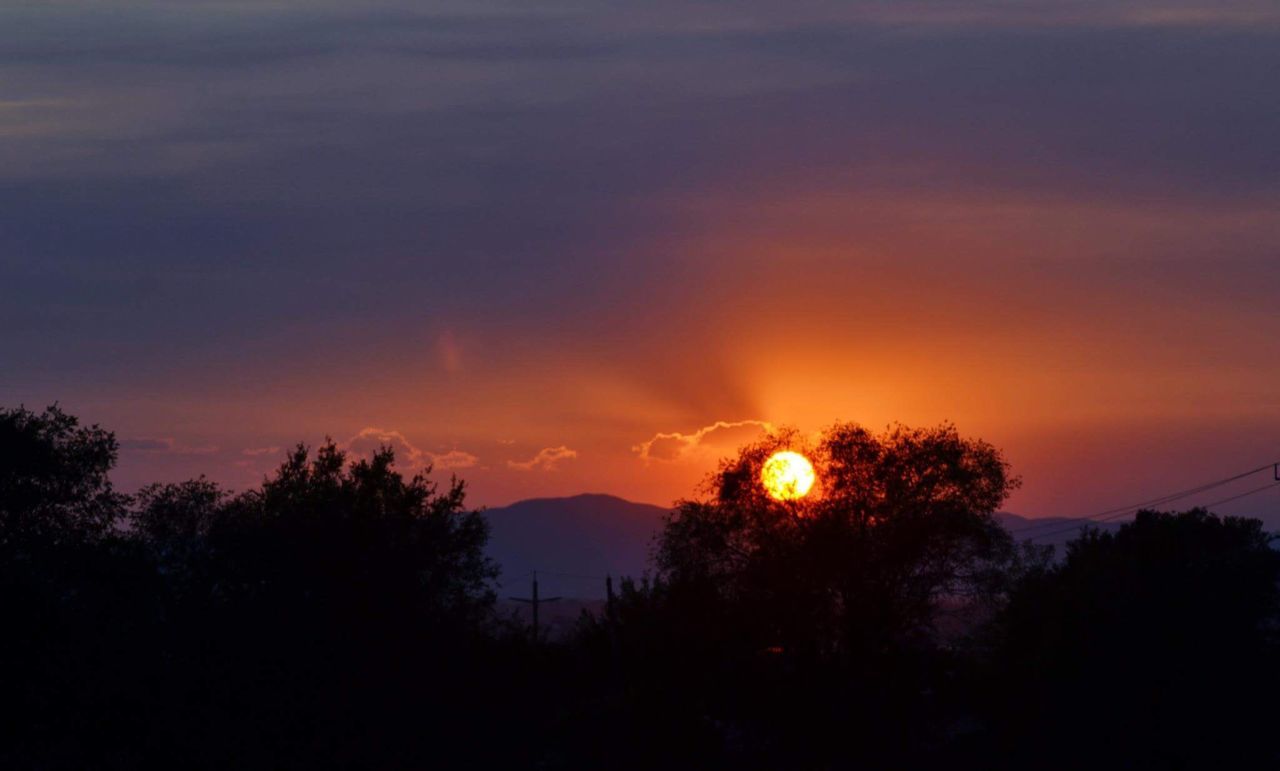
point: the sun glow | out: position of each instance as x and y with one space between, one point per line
787 476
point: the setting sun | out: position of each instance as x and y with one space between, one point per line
787 476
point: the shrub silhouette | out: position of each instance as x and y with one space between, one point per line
54 486
341 615
810 630
1152 647
338 615
900 531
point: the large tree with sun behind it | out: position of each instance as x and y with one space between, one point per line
896 534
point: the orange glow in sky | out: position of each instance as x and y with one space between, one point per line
586 249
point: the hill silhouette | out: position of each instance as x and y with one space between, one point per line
584 536
1050 531
342 615
592 535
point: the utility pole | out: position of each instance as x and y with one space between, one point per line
611 621
609 602
533 601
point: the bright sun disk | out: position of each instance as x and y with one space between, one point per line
787 476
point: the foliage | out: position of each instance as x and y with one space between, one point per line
361 536
54 486
1154 645
340 615
292 625
900 531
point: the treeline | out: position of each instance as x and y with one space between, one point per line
343 615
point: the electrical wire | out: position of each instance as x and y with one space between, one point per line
1079 525
571 575
1103 516
1243 495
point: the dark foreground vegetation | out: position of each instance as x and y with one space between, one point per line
341 616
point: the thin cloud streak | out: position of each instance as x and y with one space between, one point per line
596 222
164 445
674 445
258 451
547 459
408 455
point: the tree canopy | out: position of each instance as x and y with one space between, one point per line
898 530
54 483
341 614
295 624
1154 645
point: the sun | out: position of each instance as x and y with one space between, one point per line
787 476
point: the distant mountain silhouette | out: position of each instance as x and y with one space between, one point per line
585 536
1050 531
593 535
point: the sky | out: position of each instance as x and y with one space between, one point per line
563 247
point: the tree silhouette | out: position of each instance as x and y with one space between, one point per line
1152 647
325 601
900 531
325 532
341 614
173 522
54 486
72 593
811 630
337 615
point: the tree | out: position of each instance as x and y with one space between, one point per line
817 630
54 487
326 530
336 615
1153 647
338 608
899 532
173 523
73 593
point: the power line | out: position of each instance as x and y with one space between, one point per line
1077 526
1077 522
1115 513
509 580
1243 495
573 575
512 579
1237 497
533 602
1156 501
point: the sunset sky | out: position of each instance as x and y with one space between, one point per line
563 247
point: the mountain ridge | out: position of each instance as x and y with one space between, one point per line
574 541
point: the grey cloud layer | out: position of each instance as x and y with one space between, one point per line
175 178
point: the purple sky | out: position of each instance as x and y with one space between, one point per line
592 246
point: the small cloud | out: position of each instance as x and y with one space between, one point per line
255 451
370 440
164 444
675 445
453 459
546 459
